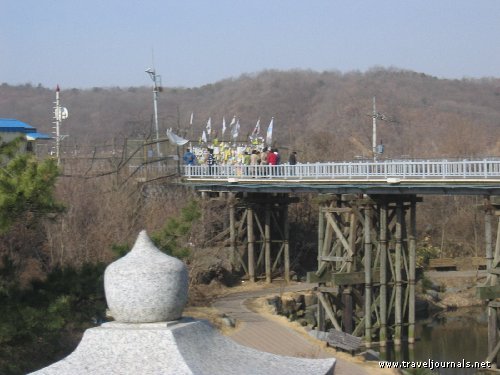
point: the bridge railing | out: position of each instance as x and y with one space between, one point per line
409 169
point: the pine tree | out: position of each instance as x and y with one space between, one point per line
26 186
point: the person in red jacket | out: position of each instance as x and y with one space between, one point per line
272 158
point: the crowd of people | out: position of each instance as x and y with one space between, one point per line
225 154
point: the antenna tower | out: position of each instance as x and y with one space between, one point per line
60 114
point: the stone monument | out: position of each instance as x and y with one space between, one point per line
146 291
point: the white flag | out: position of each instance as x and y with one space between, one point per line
223 126
256 130
175 139
191 120
209 126
204 137
233 122
269 136
236 129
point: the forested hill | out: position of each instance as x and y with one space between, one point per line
324 116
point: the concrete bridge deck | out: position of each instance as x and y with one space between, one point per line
438 177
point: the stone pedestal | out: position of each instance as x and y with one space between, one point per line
186 347
144 288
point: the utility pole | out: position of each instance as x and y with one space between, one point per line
377 149
156 88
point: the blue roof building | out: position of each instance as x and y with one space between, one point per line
11 129
10 125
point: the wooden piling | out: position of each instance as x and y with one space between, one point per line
321 234
383 274
251 242
368 274
492 329
411 278
351 265
347 313
267 242
286 234
496 254
488 237
398 316
232 228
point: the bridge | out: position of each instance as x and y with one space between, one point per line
366 232
464 177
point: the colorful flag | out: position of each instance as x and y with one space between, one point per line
269 136
209 126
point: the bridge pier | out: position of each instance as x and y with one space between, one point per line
259 234
366 266
490 290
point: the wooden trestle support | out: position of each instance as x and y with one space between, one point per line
366 266
490 290
258 229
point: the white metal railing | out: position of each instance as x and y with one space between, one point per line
356 170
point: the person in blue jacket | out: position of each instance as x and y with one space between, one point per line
189 158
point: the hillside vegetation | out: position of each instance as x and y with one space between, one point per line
322 115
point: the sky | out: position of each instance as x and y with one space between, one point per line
190 43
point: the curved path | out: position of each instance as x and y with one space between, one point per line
266 335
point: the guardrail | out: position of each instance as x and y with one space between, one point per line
388 169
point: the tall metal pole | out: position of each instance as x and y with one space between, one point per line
374 131
57 116
155 77
60 113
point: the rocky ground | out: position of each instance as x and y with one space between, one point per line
444 290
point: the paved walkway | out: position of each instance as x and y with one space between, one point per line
266 335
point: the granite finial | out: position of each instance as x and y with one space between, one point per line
146 285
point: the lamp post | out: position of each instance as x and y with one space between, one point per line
156 87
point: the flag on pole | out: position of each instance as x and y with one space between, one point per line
175 139
269 135
236 129
209 126
204 136
256 130
191 120
223 126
